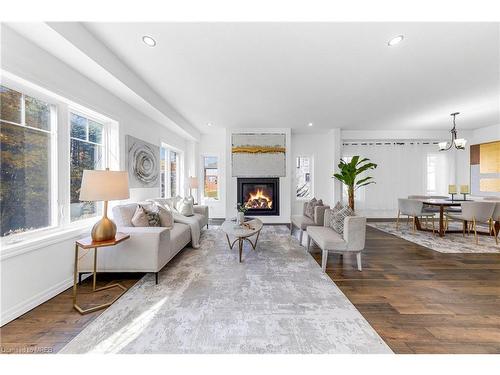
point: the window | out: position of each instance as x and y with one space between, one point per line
26 131
46 141
210 177
437 177
303 177
171 171
86 152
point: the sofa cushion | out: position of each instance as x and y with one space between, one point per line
336 218
309 208
327 238
122 214
302 222
185 207
146 216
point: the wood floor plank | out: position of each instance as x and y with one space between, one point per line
422 301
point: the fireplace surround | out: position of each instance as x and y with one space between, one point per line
259 195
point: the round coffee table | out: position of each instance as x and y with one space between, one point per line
242 232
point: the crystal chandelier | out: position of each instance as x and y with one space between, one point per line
459 143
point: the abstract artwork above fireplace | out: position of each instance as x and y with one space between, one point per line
260 196
258 155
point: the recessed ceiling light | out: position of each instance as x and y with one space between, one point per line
310 124
150 42
396 40
209 124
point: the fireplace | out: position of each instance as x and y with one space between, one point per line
260 196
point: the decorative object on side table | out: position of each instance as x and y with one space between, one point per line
464 190
104 186
89 243
240 217
349 172
452 190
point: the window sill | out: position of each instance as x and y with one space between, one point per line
42 241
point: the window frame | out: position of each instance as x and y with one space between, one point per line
60 163
311 166
83 112
203 169
180 176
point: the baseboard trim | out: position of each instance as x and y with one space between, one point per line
25 306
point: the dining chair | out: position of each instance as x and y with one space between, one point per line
474 212
495 218
415 209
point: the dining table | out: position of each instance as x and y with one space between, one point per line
445 205
442 204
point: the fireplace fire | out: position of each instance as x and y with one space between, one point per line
259 195
259 199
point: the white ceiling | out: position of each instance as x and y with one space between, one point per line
332 74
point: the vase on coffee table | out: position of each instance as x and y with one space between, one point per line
240 217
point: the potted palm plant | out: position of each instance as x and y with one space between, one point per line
349 172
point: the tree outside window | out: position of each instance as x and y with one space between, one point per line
210 177
25 143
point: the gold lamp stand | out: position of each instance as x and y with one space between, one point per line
104 229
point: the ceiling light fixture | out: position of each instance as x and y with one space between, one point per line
209 124
310 124
150 42
459 143
396 40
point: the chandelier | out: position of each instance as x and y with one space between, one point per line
459 143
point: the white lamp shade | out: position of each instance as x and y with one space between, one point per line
193 182
104 185
460 143
443 145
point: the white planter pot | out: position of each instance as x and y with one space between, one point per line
241 217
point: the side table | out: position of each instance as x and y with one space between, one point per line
87 243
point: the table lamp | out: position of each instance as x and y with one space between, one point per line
104 186
464 189
452 189
193 184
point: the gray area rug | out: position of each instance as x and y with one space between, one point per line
276 301
450 243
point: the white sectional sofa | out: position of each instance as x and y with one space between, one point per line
149 249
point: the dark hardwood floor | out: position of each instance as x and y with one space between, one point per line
422 301
50 326
418 300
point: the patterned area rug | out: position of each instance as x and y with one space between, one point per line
276 301
450 243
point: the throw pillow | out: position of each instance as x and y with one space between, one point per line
166 217
146 217
307 205
140 219
336 221
185 207
310 208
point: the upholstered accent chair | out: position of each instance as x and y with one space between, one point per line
352 241
413 208
303 222
475 212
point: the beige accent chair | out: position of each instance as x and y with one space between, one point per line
303 222
475 212
328 240
413 208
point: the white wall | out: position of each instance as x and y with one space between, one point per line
322 147
29 278
214 145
